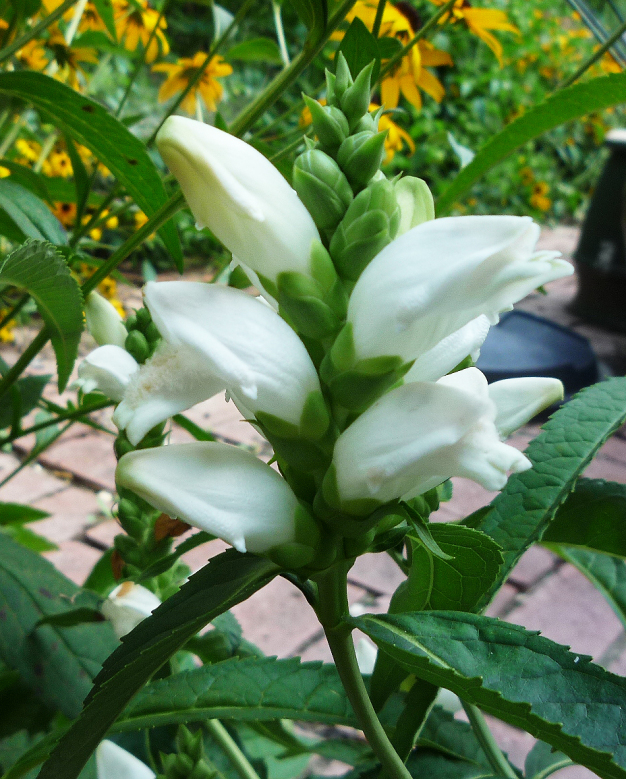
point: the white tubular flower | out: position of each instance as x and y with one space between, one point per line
128 605
109 370
240 196
216 338
519 400
113 762
420 434
442 274
216 487
104 322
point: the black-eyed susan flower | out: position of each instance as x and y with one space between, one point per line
135 22
180 73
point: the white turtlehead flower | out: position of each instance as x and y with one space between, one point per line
216 487
103 321
366 654
240 196
422 433
113 762
108 370
518 400
432 281
128 605
216 338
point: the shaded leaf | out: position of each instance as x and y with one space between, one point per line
359 47
42 271
22 535
314 15
27 177
30 389
105 11
542 761
30 215
15 512
255 50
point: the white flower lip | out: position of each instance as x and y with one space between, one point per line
113 762
216 487
216 338
128 605
235 191
107 369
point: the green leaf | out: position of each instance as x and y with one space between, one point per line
426 763
29 214
563 106
516 675
27 177
92 126
249 689
520 514
63 191
15 512
22 535
607 573
30 390
255 50
314 15
592 517
359 47
41 270
105 10
101 579
72 617
451 736
57 663
542 761
388 47
165 563
226 580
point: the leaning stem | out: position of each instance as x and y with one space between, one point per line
595 56
332 607
239 761
76 413
497 760
280 33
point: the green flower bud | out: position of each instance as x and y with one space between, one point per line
322 187
371 222
122 445
130 518
355 100
137 346
343 78
143 318
329 123
360 157
152 334
302 298
330 89
128 549
368 123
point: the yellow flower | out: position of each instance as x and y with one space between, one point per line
29 151
58 164
538 198
48 6
68 58
91 20
4 172
135 24
108 288
65 213
480 21
6 333
527 176
396 136
33 56
609 64
140 221
181 73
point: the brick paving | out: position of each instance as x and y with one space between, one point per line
73 482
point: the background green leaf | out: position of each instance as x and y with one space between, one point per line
92 126
516 675
29 215
565 105
255 50
30 389
41 270
15 512
314 15
360 47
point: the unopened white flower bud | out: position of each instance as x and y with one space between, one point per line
103 321
128 605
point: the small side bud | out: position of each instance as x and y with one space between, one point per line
415 201
329 123
360 157
103 321
355 100
322 187
128 605
137 346
343 78
330 89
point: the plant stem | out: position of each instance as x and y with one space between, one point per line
332 607
280 33
15 310
24 360
497 760
75 414
8 51
421 33
11 136
380 10
235 755
594 57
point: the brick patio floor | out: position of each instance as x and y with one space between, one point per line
73 482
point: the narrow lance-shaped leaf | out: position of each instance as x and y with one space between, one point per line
42 271
520 514
516 675
226 580
92 126
29 215
565 105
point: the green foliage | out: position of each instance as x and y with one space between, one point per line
107 138
314 14
565 105
522 511
38 268
225 581
593 517
360 47
255 50
16 512
542 761
26 216
58 663
558 696
23 399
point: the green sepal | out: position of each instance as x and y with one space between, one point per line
329 123
304 548
315 417
358 545
269 286
343 79
302 299
137 345
322 187
330 89
298 453
342 515
276 426
342 355
355 100
368 123
360 157
323 271
370 223
291 556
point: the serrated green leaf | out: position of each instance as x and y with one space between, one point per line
30 389
22 535
359 47
520 514
255 50
29 214
57 663
92 126
226 580
451 736
542 761
563 106
516 675
592 517
15 512
606 572
42 271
